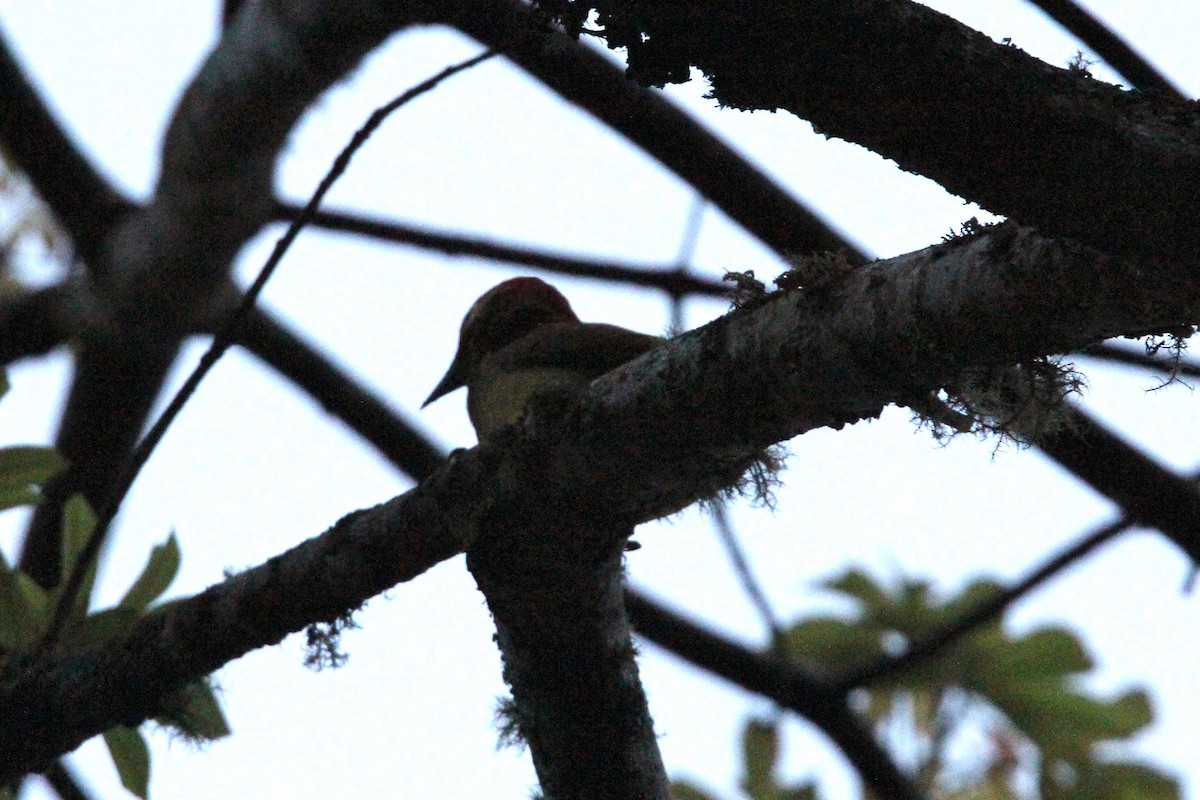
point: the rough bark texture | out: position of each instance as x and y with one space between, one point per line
555 587
1043 145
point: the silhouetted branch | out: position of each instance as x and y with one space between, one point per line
1170 367
83 202
65 784
36 322
665 277
938 642
651 121
741 568
1147 492
778 680
361 410
986 121
226 335
1105 42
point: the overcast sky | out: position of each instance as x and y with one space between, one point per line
252 467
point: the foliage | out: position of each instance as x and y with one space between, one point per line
27 612
993 716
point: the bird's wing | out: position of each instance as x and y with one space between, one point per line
590 348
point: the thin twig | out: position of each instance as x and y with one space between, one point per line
741 566
1119 355
222 341
784 682
985 612
664 277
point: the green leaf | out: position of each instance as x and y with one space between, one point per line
1126 780
26 465
14 497
760 748
131 757
22 470
801 791
683 790
25 610
1049 652
195 712
833 643
89 632
862 587
78 523
157 575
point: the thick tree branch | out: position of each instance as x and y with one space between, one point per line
648 119
83 201
163 265
1147 492
51 708
36 322
554 582
1045 146
641 442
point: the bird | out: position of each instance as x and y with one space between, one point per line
522 338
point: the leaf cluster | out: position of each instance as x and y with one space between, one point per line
28 610
996 716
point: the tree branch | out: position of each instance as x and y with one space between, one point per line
938 642
665 277
1140 73
83 201
648 119
50 708
163 265
1147 492
1044 146
34 323
639 443
370 417
785 683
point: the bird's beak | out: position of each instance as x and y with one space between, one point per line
455 377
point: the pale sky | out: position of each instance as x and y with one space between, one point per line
252 467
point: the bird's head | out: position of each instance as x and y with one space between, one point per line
504 314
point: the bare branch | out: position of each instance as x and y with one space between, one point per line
50 708
370 417
666 277
987 611
640 442
1044 146
649 120
82 200
784 682
36 322
1140 73
165 262
1147 492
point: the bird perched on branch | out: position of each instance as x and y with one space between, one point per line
552 571
521 338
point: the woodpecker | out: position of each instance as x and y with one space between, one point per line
521 338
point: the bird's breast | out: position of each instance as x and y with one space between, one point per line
497 398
